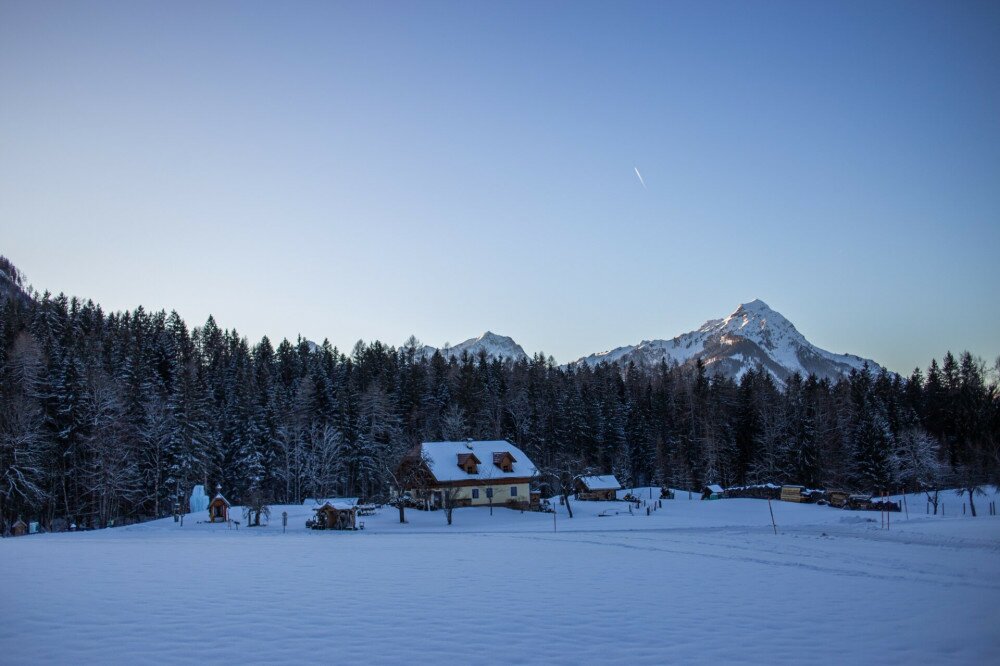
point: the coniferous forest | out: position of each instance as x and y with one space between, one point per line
107 417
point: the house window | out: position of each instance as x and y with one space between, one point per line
513 491
475 493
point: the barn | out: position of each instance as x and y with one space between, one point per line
19 528
604 487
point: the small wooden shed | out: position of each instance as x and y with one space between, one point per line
337 515
19 528
218 508
604 487
712 491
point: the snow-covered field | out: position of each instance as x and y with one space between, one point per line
694 582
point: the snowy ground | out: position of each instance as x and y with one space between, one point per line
694 582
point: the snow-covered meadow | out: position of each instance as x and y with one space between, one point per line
694 581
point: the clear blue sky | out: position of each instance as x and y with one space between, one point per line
371 170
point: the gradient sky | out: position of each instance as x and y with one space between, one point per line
371 170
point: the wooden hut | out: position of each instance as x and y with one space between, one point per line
712 491
218 508
337 515
19 528
604 487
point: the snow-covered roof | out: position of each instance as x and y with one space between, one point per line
443 460
219 496
604 482
715 488
338 503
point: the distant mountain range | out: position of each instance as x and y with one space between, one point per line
752 336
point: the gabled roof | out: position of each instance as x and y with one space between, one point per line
463 459
715 488
604 482
340 504
498 457
441 456
219 496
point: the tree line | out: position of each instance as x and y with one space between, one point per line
110 416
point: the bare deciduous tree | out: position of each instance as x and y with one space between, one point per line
562 475
255 505
409 472
449 498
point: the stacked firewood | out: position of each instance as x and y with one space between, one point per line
759 491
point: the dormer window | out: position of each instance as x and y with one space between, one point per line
504 460
469 462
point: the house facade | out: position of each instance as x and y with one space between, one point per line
468 473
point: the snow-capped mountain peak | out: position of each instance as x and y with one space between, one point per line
493 344
753 335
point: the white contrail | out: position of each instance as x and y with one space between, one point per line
641 181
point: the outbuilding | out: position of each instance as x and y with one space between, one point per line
597 488
337 514
713 491
19 528
218 508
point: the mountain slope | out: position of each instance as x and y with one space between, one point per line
754 335
11 282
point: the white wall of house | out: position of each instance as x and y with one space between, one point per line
501 493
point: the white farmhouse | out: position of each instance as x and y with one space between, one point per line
469 473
